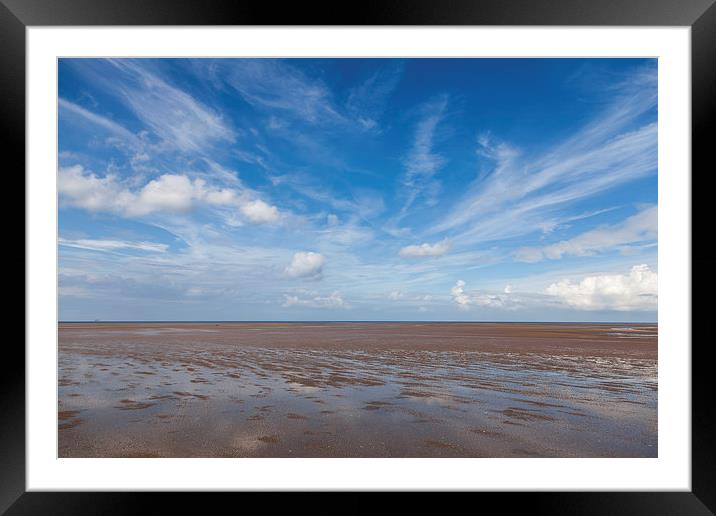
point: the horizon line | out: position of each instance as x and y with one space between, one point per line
100 321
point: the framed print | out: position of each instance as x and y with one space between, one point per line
411 250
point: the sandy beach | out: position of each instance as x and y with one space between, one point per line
357 390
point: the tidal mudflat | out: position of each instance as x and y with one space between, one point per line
357 390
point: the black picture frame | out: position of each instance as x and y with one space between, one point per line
700 15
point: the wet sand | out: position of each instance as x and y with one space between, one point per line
357 390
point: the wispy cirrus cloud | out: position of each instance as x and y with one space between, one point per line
272 84
113 245
515 191
333 300
639 228
176 118
523 190
367 100
360 203
174 115
71 109
422 162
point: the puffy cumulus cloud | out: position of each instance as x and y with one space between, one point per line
259 212
425 250
335 300
332 219
90 192
459 297
306 265
638 228
505 300
395 295
637 290
169 193
491 300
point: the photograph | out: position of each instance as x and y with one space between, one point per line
354 257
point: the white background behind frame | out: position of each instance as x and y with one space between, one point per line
670 471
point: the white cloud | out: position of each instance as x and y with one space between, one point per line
490 300
222 173
641 227
345 235
422 162
332 219
505 300
273 84
425 250
637 290
529 255
335 300
78 292
459 296
90 192
366 101
306 265
259 212
111 245
364 203
522 190
395 295
274 123
68 108
179 119
169 193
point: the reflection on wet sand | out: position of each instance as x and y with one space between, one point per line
357 390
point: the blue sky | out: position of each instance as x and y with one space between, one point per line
358 189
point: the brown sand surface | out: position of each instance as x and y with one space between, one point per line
357 390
